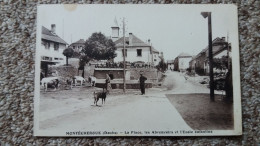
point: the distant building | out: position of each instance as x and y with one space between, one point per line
181 62
51 50
170 64
78 45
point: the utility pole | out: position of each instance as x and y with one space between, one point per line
124 88
211 76
63 28
227 53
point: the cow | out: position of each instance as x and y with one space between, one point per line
92 80
78 79
50 82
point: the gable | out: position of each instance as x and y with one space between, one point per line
48 35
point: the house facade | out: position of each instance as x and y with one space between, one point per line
51 50
78 45
156 56
136 51
200 63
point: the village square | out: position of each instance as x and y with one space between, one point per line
77 77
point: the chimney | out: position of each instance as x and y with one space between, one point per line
53 28
130 39
149 41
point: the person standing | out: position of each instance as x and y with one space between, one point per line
108 85
142 80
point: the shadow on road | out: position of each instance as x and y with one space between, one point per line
202 114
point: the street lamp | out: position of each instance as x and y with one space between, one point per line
205 15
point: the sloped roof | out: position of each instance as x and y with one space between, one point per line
135 42
81 41
48 35
115 23
170 61
184 55
154 50
216 47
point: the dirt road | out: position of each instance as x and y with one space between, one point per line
70 110
176 83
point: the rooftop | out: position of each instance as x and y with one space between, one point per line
154 50
184 55
50 36
170 61
135 42
81 41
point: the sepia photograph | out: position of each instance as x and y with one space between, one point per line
137 70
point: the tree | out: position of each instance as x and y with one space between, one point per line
68 52
99 47
162 66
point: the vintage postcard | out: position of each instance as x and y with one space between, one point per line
137 70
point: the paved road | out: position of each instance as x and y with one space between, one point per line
74 110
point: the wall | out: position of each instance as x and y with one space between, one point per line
156 58
74 62
132 54
184 62
53 53
132 80
64 71
101 74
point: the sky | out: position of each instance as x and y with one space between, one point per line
172 29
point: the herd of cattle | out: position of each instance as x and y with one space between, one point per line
56 82
68 83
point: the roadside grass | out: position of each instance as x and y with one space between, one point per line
202 114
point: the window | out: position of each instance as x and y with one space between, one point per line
56 46
46 58
47 45
125 52
111 76
154 59
56 58
139 52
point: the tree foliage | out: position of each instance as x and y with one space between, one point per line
99 47
221 63
162 66
68 52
